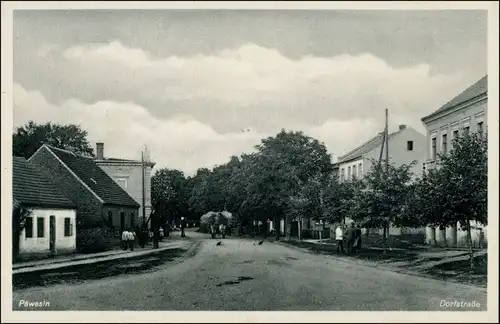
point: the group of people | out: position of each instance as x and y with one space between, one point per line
222 230
128 239
348 238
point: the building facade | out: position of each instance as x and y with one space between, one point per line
405 146
50 226
99 200
465 113
128 174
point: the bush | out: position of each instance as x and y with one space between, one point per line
204 228
92 240
306 234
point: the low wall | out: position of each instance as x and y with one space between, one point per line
455 237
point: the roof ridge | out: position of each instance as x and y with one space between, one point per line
69 152
373 139
370 141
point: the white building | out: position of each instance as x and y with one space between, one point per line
50 227
465 113
405 146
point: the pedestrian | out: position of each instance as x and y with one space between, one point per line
222 230
131 239
358 239
183 224
124 239
351 234
339 238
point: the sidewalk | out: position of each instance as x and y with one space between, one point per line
49 264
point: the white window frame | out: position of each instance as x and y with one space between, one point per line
122 179
433 136
443 134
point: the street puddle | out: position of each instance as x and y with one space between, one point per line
234 282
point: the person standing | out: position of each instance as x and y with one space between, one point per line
358 239
183 225
131 239
124 239
351 234
339 238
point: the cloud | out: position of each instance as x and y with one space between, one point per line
181 142
190 109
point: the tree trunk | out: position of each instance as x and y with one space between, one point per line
299 228
469 242
277 227
288 227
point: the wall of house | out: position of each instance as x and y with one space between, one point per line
42 244
447 123
129 213
455 120
89 207
398 152
358 163
129 177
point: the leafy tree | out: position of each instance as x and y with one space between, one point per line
19 215
27 139
282 165
168 193
386 194
461 185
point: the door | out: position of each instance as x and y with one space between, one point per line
52 233
122 221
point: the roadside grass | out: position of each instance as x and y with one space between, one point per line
83 272
409 258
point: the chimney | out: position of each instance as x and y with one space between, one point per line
99 151
401 127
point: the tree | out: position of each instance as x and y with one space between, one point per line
281 166
19 215
461 185
386 194
27 139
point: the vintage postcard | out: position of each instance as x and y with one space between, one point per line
250 161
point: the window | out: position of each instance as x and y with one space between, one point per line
348 173
132 220
342 175
433 148
480 129
360 170
122 182
110 218
455 134
409 145
68 227
40 227
354 174
444 146
466 130
28 228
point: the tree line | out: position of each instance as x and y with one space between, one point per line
291 176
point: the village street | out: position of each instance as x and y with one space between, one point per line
239 275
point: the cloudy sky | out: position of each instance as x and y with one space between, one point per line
185 83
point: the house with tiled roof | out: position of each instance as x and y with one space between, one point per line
50 226
405 146
99 200
133 176
465 113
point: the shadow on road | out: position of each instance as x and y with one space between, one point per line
80 273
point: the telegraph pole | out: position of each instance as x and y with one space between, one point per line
143 189
386 227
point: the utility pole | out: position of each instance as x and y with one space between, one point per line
386 227
143 189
